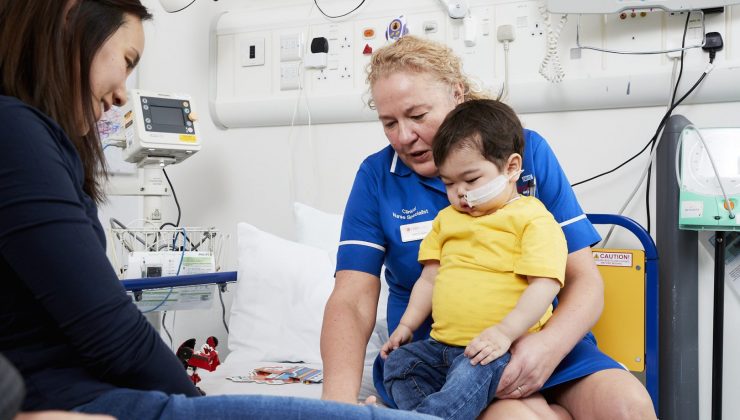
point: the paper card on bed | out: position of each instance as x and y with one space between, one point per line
279 375
298 373
253 377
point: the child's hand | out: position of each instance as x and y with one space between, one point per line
400 336
488 346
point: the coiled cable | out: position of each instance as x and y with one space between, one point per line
551 67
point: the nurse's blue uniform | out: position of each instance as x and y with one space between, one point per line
387 195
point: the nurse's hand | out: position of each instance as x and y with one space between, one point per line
532 362
400 336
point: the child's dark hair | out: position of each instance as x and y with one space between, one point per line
488 126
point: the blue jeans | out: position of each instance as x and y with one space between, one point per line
434 378
133 404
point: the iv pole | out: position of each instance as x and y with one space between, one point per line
718 323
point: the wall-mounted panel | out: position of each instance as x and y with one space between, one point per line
247 93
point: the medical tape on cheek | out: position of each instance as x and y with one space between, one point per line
490 190
486 192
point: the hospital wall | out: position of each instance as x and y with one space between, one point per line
255 174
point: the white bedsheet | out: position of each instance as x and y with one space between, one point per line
215 383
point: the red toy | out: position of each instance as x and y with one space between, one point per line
205 358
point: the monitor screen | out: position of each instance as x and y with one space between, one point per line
167 115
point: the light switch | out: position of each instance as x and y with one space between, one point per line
290 75
291 47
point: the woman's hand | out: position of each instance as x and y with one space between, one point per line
532 362
400 336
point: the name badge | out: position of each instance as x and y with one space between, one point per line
415 231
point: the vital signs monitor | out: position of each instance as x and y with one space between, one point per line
709 179
160 128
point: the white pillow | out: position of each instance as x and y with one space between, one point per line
317 228
281 290
322 230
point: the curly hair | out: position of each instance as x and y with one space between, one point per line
419 55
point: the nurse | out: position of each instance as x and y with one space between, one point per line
414 83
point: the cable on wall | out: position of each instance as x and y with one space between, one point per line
316 2
551 67
713 43
506 35
655 136
673 101
649 163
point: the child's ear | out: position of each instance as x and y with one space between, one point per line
514 163
458 92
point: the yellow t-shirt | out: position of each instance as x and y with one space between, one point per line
484 262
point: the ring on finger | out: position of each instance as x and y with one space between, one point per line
521 391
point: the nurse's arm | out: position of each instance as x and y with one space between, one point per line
580 302
349 319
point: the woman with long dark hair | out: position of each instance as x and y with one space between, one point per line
66 322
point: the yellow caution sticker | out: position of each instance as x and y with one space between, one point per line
617 259
187 138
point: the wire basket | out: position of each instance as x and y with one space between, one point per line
149 252
135 243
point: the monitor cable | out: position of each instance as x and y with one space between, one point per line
714 44
663 120
655 143
164 327
177 203
223 307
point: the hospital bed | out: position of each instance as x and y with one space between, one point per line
277 309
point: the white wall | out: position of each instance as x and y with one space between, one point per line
245 174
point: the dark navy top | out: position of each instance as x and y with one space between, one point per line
11 389
388 197
66 322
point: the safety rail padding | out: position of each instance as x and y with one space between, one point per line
627 300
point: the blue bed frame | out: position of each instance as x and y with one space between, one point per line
137 286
